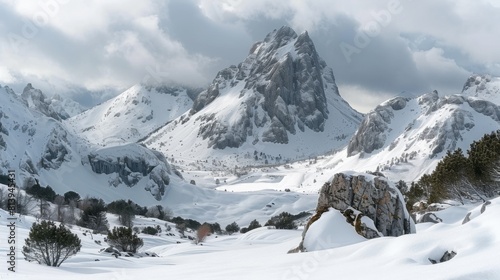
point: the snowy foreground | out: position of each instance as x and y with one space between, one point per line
262 253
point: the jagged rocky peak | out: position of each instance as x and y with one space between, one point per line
483 86
55 107
476 81
281 87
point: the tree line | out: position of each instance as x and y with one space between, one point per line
462 176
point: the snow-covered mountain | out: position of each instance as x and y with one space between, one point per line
55 107
406 137
281 102
37 145
133 114
483 86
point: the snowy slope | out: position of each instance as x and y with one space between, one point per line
132 115
261 254
281 102
31 140
405 138
37 146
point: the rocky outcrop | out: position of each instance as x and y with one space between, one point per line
371 134
446 257
371 204
57 150
136 163
473 214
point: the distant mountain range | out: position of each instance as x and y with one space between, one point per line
279 105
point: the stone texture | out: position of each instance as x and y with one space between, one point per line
364 195
371 134
283 90
133 167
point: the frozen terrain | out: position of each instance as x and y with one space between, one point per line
262 253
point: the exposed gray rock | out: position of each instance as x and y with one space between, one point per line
429 218
483 208
375 198
446 257
135 164
445 134
36 99
364 195
371 134
284 87
478 82
467 218
57 149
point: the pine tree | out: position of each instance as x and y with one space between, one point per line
50 245
94 215
232 228
253 225
123 239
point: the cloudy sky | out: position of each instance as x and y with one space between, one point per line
92 50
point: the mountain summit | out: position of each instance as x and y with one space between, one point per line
282 93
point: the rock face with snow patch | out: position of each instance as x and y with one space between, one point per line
133 114
371 134
38 146
132 163
484 87
439 123
371 204
375 197
281 87
54 108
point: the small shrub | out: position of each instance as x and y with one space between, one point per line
50 244
284 220
123 239
253 225
150 230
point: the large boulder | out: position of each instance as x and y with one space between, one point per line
371 204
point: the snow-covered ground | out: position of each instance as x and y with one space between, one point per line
262 253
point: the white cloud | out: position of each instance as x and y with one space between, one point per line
441 72
101 45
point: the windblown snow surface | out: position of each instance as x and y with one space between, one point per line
262 253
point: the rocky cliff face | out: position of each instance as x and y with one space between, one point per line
371 204
429 121
484 87
37 145
371 134
281 87
132 163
